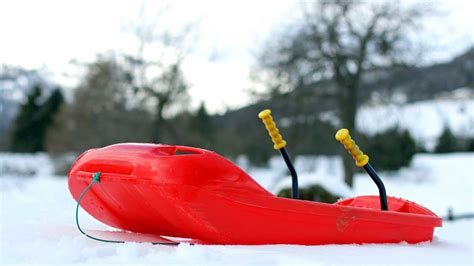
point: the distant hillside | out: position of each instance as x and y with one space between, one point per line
422 83
425 120
414 83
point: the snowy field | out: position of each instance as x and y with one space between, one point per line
425 120
37 218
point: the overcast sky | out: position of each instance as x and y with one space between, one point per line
48 34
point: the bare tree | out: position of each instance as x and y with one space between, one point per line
100 114
157 67
341 41
166 89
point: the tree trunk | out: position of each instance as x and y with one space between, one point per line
348 111
157 124
349 169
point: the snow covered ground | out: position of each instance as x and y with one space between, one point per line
37 218
425 120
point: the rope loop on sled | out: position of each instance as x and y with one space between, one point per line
96 179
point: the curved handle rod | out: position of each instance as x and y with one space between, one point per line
378 181
294 175
279 144
362 160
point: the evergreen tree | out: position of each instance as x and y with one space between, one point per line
391 149
51 106
447 142
47 112
203 121
202 126
470 145
29 128
25 126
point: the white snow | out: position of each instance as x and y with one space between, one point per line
37 219
26 165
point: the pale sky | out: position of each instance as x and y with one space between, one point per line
48 34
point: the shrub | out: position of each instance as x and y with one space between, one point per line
313 193
447 142
470 146
390 150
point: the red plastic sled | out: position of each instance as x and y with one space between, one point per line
197 194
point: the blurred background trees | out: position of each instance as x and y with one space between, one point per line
342 42
162 92
102 111
315 73
159 83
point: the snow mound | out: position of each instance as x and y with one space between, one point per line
25 165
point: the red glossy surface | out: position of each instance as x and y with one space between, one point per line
193 193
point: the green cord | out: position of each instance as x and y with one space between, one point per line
96 179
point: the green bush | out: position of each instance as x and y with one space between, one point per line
312 193
390 150
470 145
259 155
447 142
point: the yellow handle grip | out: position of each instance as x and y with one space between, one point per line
272 129
349 144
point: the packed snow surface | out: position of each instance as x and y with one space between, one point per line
37 218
